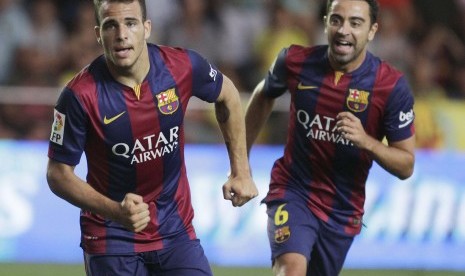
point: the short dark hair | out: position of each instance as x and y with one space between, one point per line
374 8
98 4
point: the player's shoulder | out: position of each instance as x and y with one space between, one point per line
172 54
166 50
84 81
385 68
388 69
298 53
388 78
295 48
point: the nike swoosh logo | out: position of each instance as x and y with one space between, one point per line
305 87
112 119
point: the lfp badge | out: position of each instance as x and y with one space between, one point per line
58 127
357 101
168 101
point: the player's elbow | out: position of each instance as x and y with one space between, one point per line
54 177
406 172
52 180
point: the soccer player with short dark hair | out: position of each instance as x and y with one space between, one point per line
125 111
344 102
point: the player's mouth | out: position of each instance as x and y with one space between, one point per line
122 52
342 47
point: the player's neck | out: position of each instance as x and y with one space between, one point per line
133 75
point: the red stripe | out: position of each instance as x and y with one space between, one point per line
386 79
149 174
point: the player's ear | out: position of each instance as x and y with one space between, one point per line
148 28
373 29
324 23
97 34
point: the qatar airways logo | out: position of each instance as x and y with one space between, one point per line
322 128
149 147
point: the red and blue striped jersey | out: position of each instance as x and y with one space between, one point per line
133 139
319 165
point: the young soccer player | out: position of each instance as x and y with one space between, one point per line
125 111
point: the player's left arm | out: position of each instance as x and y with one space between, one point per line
398 157
240 187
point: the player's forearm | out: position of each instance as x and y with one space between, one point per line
230 118
396 161
257 112
66 185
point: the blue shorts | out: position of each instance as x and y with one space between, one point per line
293 228
184 259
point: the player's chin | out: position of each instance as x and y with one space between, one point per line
342 59
122 63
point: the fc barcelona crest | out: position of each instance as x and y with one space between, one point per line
168 101
282 234
357 101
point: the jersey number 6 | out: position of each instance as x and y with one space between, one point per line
281 216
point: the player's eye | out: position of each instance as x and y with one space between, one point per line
109 26
131 23
335 21
356 24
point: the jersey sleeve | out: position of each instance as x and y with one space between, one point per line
399 118
207 79
69 130
275 81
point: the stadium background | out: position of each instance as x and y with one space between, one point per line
414 227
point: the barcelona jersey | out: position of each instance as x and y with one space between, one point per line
319 165
133 139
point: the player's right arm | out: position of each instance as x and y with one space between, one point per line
132 212
257 113
67 142
262 101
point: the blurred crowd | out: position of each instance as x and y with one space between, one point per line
43 43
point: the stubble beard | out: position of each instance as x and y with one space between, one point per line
342 61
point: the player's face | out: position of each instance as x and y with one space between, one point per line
123 34
348 29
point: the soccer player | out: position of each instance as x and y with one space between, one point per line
343 102
125 111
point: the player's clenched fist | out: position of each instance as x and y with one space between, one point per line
239 190
351 128
135 214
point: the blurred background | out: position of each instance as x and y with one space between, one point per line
418 224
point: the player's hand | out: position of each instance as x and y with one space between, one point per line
239 190
351 129
135 214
